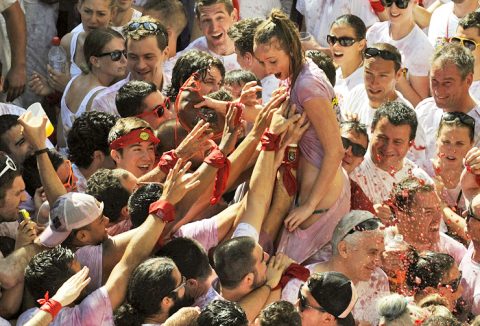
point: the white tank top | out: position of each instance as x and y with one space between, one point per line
74 68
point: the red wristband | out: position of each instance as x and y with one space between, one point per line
270 141
218 160
377 6
290 161
168 161
49 305
163 209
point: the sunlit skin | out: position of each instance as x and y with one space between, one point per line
248 62
275 60
313 317
96 231
95 14
14 196
19 149
349 161
65 173
114 69
400 17
138 158
261 259
212 82
472 33
214 22
149 103
380 80
348 58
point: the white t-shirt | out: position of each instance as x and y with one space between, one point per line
320 14
429 116
229 61
451 246
343 86
255 8
443 24
471 281
414 48
269 84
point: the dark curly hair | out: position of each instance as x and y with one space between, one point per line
139 202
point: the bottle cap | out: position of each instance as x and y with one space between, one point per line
56 41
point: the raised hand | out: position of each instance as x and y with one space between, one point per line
178 183
197 140
72 288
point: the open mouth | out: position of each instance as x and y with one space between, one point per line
337 54
278 75
374 92
394 15
451 158
144 168
217 36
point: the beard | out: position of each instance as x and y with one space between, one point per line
186 301
257 281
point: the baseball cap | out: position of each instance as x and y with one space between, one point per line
70 211
349 223
335 293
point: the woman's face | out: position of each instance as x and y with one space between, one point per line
452 145
400 17
107 64
344 55
275 60
95 14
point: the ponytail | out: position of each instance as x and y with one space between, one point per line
127 315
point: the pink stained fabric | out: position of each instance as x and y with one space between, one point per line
311 83
302 244
204 231
471 282
92 257
120 227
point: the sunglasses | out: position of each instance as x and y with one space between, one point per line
70 184
357 149
342 40
401 4
384 54
114 55
148 26
453 284
182 284
465 42
367 225
471 214
159 110
462 117
303 304
9 165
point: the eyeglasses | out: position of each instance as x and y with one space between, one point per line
357 149
148 26
465 42
184 281
114 55
384 54
342 40
401 4
303 304
462 117
471 214
453 284
70 184
10 165
159 110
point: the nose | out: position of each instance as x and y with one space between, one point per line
140 65
23 196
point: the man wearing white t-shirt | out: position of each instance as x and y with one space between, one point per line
393 128
214 18
444 20
451 76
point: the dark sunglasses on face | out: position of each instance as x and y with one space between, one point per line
465 42
159 110
148 26
342 40
384 54
453 284
357 149
114 55
465 119
303 304
401 4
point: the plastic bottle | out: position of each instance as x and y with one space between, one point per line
57 57
398 248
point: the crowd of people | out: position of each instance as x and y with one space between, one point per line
238 162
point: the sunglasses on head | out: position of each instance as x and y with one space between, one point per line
453 284
114 55
384 54
159 110
342 40
148 26
401 4
471 214
303 304
462 117
465 42
357 149
9 165
367 225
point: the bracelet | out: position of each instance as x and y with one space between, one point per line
168 161
218 160
41 151
163 207
51 306
268 286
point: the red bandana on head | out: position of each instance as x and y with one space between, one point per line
134 137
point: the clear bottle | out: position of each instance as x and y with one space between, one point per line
397 249
57 57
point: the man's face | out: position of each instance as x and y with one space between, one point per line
380 80
154 104
309 315
180 297
15 195
350 161
19 148
145 60
260 271
248 62
447 86
390 145
214 22
472 33
138 158
364 256
96 231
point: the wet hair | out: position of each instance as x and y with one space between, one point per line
222 95
7 179
398 114
280 313
280 27
189 256
140 33
7 122
442 321
106 186
471 20
394 310
457 55
457 119
354 22
222 313
355 126
190 62
242 34
48 270
96 41
149 283
139 202
124 126
89 133
171 13
205 3
130 97
428 270
233 260
239 76
397 63
323 62
405 191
